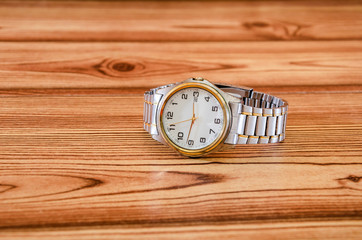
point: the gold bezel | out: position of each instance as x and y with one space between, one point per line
217 142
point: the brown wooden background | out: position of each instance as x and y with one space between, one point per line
75 162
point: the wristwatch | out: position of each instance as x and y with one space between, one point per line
196 117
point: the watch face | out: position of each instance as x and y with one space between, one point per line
193 118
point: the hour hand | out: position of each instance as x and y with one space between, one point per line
182 121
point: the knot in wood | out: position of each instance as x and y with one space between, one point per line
123 67
353 178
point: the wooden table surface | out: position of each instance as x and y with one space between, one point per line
75 162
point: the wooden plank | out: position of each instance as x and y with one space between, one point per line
57 153
313 230
147 65
140 90
180 21
111 128
81 195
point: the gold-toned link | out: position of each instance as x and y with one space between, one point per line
247 113
243 136
151 103
253 137
277 115
264 137
257 114
273 136
150 124
267 115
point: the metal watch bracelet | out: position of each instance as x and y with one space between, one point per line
257 118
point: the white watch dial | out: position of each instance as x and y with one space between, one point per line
193 118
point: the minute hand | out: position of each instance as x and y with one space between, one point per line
193 120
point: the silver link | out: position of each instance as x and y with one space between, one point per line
273 139
280 125
277 111
156 99
144 111
260 122
235 108
267 113
271 124
278 115
258 96
242 139
241 124
232 138
250 121
154 103
285 122
280 137
247 110
275 101
150 115
150 109
263 140
252 140
250 125
153 129
260 126
284 125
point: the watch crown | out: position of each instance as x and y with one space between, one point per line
198 79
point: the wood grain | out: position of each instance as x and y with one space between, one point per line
75 162
146 65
